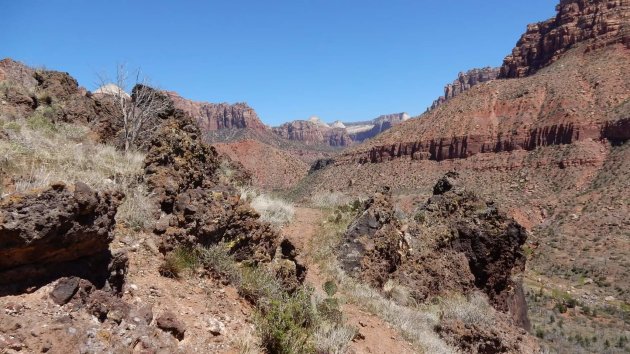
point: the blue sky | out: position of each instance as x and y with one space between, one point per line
337 59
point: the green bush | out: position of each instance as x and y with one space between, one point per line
420 217
177 262
42 120
561 307
13 126
329 310
330 288
286 322
286 325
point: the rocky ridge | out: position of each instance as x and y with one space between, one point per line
550 147
508 115
465 80
339 134
596 23
61 269
424 251
26 90
217 116
455 243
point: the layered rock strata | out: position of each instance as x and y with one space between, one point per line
599 22
218 116
465 81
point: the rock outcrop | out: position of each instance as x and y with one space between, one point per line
338 134
361 131
455 242
218 116
597 22
55 95
466 80
181 172
18 73
59 231
177 161
311 133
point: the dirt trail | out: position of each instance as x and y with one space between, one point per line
375 335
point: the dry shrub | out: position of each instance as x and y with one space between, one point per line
64 153
276 211
285 322
328 200
179 261
334 338
472 310
137 209
400 294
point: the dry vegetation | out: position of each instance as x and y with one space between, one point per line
37 152
276 211
327 200
295 322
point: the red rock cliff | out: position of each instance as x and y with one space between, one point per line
581 94
600 22
464 82
218 116
313 134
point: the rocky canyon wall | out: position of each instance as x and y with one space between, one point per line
600 22
218 116
464 82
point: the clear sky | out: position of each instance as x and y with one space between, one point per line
290 59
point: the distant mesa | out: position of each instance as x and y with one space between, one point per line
318 121
338 134
111 89
219 116
338 124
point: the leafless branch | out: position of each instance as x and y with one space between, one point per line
135 104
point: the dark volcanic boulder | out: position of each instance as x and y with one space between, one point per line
177 160
202 216
58 231
196 209
456 242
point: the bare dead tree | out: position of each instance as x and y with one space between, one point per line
138 113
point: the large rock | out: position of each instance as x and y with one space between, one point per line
177 160
168 322
598 22
18 73
181 172
61 230
456 242
56 93
475 338
204 217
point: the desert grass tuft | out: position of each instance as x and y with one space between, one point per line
273 210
